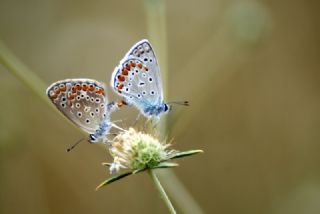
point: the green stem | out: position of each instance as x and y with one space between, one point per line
21 72
163 194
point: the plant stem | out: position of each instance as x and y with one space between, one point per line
163 194
21 72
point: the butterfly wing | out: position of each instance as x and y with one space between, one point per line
82 101
137 78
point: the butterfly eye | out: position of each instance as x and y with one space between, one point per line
166 108
92 138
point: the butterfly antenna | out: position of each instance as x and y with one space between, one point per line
182 103
74 145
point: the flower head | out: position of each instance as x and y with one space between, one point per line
136 150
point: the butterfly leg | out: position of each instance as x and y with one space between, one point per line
117 127
137 119
156 122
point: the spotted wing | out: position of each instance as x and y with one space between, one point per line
137 78
82 101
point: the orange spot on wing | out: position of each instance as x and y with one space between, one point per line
121 78
125 72
71 97
54 96
63 88
78 87
120 86
84 87
140 65
128 67
91 87
133 64
100 91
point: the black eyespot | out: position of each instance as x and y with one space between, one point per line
127 89
97 100
145 59
137 71
87 121
63 99
144 92
82 95
78 105
150 79
78 98
97 110
92 114
139 95
79 114
63 105
152 92
150 60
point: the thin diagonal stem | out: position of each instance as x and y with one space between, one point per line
163 194
21 72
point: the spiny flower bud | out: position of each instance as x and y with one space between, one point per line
136 150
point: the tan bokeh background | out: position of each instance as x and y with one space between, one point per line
249 68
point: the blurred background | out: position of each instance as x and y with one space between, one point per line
249 68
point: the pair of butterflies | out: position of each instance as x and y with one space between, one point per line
136 79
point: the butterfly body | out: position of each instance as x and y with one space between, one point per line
137 79
84 103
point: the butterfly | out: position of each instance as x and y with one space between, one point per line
84 103
137 79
